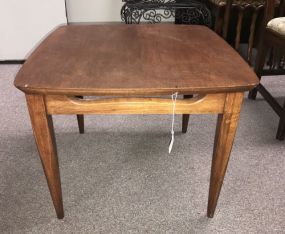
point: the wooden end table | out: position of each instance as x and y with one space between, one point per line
133 62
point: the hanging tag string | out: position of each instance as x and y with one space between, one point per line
174 98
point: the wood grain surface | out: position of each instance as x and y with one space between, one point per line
225 133
203 104
45 139
134 59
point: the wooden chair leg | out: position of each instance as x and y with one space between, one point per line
281 128
226 20
251 36
185 117
225 133
45 140
238 30
80 120
260 61
252 94
218 21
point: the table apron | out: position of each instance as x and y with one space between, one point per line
201 104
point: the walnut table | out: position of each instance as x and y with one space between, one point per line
129 63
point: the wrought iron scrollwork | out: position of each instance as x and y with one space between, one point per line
154 11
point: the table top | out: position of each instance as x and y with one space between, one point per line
119 59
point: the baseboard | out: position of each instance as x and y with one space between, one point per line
12 61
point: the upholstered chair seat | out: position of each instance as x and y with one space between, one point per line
277 25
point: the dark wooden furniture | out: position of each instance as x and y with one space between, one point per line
273 37
133 62
239 21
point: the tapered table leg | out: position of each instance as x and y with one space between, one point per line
225 133
185 117
45 140
80 120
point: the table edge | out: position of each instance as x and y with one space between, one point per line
133 91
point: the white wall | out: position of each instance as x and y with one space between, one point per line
23 23
94 10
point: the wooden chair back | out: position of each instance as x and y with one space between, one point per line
270 12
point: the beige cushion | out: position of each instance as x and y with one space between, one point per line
277 25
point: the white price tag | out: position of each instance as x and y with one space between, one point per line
174 98
171 143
